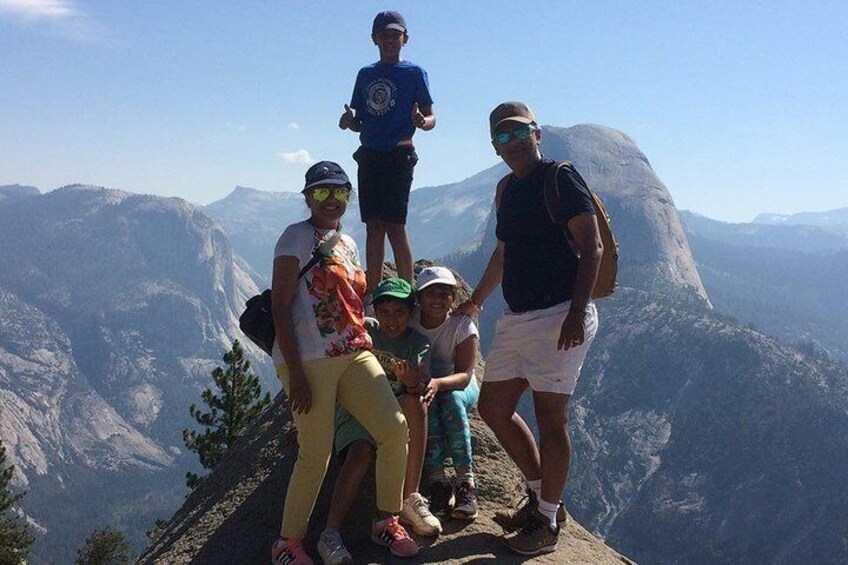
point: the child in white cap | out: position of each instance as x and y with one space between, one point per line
451 393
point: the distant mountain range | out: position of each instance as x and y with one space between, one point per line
12 192
787 280
807 238
831 218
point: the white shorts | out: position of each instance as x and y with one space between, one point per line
525 347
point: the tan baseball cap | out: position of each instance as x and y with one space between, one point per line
510 112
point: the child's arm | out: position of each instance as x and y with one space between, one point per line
424 118
348 120
464 359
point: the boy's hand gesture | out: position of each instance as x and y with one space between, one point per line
408 376
346 120
413 379
418 118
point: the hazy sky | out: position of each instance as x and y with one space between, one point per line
741 107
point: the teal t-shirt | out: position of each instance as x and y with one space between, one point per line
412 347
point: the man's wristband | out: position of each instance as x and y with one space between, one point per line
581 311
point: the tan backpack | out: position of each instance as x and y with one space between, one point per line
608 269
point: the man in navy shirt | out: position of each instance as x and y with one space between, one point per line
543 337
391 98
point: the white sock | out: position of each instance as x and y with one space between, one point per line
466 478
536 487
549 510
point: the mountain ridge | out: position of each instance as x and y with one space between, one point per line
116 307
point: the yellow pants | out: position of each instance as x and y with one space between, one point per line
358 383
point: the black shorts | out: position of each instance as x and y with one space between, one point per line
385 178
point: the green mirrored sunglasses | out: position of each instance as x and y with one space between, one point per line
340 193
520 133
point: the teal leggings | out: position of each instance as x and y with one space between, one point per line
447 426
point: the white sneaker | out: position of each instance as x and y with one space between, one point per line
332 550
416 513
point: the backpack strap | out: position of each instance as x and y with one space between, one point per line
552 199
499 190
551 190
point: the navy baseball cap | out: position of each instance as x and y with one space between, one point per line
325 172
388 20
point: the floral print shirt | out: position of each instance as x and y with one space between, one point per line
327 313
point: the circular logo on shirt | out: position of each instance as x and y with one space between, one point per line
381 96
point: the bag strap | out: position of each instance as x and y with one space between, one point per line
322 248
552 201
499 190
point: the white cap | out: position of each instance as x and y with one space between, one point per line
434 275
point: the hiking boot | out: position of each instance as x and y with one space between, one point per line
289 552
466 502
441 498
416 513
513 519
332 550
537 536
389 533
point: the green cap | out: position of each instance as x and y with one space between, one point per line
392 288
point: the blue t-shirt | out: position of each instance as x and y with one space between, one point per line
383 97
539 268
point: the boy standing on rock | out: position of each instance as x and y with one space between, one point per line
542 339
391 98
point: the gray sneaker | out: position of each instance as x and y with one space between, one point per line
465 507
536 537
513 519
332 550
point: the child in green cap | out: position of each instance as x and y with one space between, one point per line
405 356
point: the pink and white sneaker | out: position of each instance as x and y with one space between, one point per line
389 533
289 552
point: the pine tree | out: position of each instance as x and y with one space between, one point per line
157 529
238 403
104 547
15 539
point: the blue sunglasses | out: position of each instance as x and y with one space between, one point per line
519 133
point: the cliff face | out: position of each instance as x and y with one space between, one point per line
655 254
113 309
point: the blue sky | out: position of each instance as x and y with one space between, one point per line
741 107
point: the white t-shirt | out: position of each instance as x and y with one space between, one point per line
327 312
444 339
